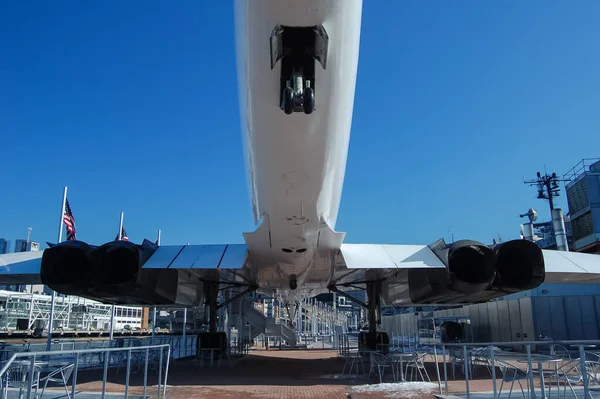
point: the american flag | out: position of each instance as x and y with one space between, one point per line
69 221
123 235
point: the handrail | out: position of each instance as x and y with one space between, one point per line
487 348
548 342
75 352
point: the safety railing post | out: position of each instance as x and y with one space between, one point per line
466 363
160 357
30 376
127 375
146 371
445 370
584 374
437 367
105 374
493 370
530 371
166 372
4 381
75 375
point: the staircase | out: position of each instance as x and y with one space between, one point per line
254 317
275 328
242 313
259 323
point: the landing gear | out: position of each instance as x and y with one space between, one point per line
214 339
299 49
298 95
371 339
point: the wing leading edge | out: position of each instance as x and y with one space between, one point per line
122 272
460 273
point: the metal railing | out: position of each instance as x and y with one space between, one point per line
489 349
108 354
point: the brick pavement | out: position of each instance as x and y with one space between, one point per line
262 374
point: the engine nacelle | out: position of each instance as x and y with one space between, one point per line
476 273
519 267
470 268
118 275
66 267
111 273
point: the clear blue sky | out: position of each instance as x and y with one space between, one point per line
134 106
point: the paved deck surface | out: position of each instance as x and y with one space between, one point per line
261 374
274 374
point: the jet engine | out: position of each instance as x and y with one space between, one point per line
470 268
519 267
66 267
111 273
475 273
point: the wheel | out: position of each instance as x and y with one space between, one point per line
287 100
309 100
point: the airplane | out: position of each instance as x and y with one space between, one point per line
297 67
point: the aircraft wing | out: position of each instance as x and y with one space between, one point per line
461 273
21 268
127 273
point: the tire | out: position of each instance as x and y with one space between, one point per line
287 100
309 100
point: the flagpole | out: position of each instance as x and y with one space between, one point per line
154 310
121 227
60 232
112 308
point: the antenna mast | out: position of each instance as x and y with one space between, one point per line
547 187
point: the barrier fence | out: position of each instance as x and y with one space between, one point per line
487 369
574 363
24 370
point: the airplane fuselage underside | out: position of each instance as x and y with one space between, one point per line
297 67
296 161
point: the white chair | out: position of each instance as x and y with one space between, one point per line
511 374
417 365
383 362
17 376
60 375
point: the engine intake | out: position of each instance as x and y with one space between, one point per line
111 273
470 268
520 266
66 267
476 273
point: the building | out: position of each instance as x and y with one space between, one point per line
583 196
26 246
355 311
545 237
4 246
26 310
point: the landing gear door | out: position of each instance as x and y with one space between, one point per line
276 42
321 45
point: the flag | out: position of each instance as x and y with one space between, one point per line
123 235
69 221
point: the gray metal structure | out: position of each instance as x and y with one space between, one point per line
583 193
572 317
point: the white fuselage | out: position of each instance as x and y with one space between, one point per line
296 163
